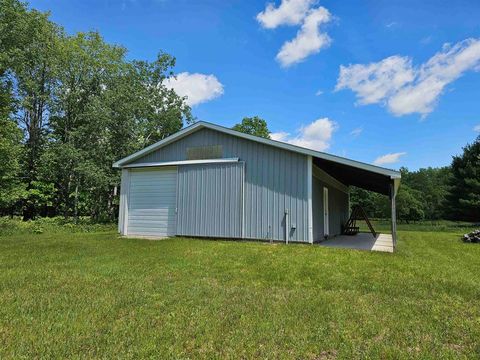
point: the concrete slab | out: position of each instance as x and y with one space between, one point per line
362 241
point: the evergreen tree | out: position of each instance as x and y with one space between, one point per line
464 197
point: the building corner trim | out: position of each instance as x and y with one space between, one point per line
309 197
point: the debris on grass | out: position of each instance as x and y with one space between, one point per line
472 237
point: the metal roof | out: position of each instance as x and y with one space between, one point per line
203 124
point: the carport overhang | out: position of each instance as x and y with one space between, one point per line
382 181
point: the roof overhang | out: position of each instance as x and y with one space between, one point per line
359 176
347 171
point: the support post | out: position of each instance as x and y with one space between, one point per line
393 194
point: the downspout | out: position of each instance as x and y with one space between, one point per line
287 225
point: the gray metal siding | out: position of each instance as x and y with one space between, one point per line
337 206
275 180
210 200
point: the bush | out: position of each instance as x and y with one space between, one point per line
15 225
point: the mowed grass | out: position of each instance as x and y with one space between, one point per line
67 294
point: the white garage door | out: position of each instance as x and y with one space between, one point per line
152 202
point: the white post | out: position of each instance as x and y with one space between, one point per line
123 208
394 214
309 195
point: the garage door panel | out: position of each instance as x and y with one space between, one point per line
143 232
154 214
152 192
149 187
168 179
152 202
148 215
152 220
147 192
141 198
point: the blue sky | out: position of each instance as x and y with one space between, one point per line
394 83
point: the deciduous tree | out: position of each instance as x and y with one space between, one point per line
254 126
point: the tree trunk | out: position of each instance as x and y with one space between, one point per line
75 204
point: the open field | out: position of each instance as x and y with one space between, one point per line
70 292
459 227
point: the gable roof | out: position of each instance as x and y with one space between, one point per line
316 154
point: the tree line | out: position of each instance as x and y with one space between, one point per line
70 105
450 192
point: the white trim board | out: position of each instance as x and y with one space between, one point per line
326 212
182 162
309 196
126 199
202 124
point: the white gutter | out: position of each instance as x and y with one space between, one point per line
182 162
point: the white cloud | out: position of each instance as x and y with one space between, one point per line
316 135
318 93
406 89
376 81
280 136
389 158
476 128
356 132
309 40
426 40
198 88
290 12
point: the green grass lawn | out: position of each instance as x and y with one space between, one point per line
92 294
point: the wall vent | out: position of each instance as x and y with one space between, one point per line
204 152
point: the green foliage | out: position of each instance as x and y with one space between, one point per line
31 45
11 188
422 195
464 198
51 225
409 207
432 186
375 205
254 126
82 105
39 195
